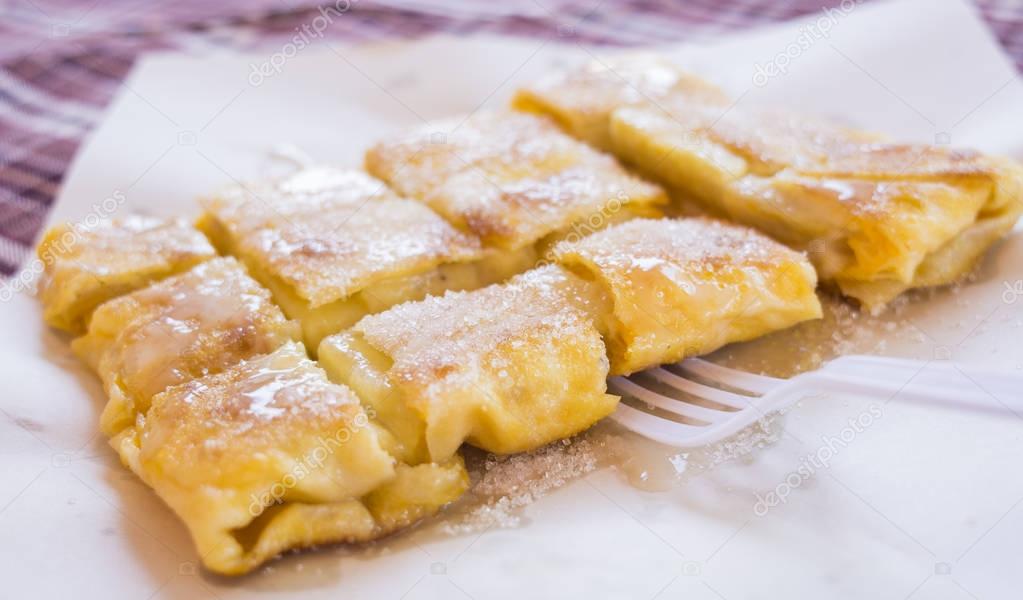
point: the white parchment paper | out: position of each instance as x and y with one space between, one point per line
925 503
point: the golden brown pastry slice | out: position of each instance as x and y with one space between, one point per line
187 326
509 367
685 287
269 456
84 267
511 179
582 100
334 245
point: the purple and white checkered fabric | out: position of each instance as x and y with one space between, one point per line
62 61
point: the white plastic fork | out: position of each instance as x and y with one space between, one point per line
715 402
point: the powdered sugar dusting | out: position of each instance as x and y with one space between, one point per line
452 334
693 244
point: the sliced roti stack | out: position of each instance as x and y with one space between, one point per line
215 403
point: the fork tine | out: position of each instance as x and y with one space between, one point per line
655 428
699 390
741 380
672 405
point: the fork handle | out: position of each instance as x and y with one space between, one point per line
940 381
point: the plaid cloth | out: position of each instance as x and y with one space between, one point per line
62 61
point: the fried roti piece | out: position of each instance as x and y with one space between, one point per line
186 326
84 268
877 218
270 456
508 368
582 100
685 287
511 179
